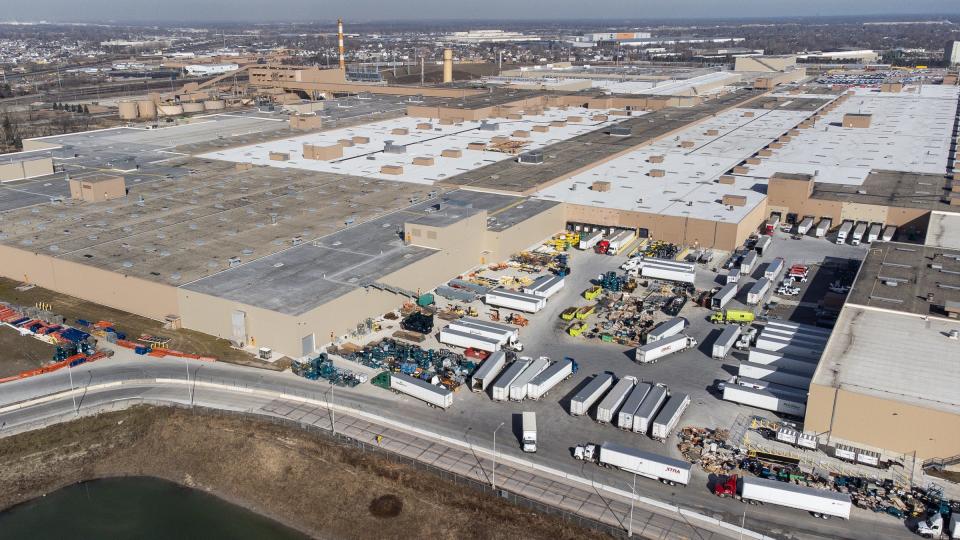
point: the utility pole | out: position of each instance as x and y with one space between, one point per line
634 491
72 395
421 70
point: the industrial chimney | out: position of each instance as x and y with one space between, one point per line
447 66
343 62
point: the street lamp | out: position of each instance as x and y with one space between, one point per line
493 481
72 395
633 490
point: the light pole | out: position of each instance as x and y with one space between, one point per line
493 481
633 490
186 364
72 395
333 413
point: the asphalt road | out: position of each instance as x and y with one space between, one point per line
456 423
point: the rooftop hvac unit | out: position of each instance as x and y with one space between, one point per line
390 148
620 131
416 98
534 157
488 126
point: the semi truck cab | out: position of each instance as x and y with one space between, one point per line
529 431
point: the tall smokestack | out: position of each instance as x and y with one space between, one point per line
343 61
447 66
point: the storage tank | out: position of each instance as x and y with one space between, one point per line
147 109
128 110
170 110
192 107
214 104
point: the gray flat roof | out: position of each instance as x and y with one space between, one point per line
900 277
895 356
890 188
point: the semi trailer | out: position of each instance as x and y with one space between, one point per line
748 263
667 328
610 405
436 396
820 503
518 301
804 227
540 385
580 404
520 385
630 406
722 297
725 342
764 399
758 291
667 470
844 231
649 408
669 416
488 371
775 375
779 360
652 352
858 233
763 244
588 240
823 227
501 388
545 286
529 425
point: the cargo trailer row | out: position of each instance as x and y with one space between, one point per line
436 396
791 347
520 385
630 406
580 404
518 301
667 329
722 297
488 371
545 286
764 399
501 388
653 352
725 341
609 406
547 379
667 470
758 291
669 416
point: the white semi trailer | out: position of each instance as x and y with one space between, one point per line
436 396
669 416
823 227
667 328
653 352
764 399
630 406
520 385
501 388
580 404
610 405
488 371
549 378
648 409
518 301
667 470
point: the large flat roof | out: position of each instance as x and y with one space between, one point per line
893 356
910 131
367 159
908 277
943 230
688 187
578 152
889 188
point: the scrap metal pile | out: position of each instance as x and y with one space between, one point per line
710 449
321 367
398 357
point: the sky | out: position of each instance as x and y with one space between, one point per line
407 10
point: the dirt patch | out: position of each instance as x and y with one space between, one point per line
132 325
386 506
303 480
22 353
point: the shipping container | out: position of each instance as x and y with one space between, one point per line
549 378
667 328
873 234
844 232
669 416
819 502
764 399
748 263
763 244
581 403
422 390
588 240
608 408
758 291
775 375
779 360
649 408
804 227
823 227
858 233
667 470
630 406
653 352
520 385
726 293
505 298
488 371
725 341
774 269
545 286
889 232
501 388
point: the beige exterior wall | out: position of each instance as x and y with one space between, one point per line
882 423
25 168
500 245
113 289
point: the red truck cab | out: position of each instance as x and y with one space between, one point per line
602 247
726 488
